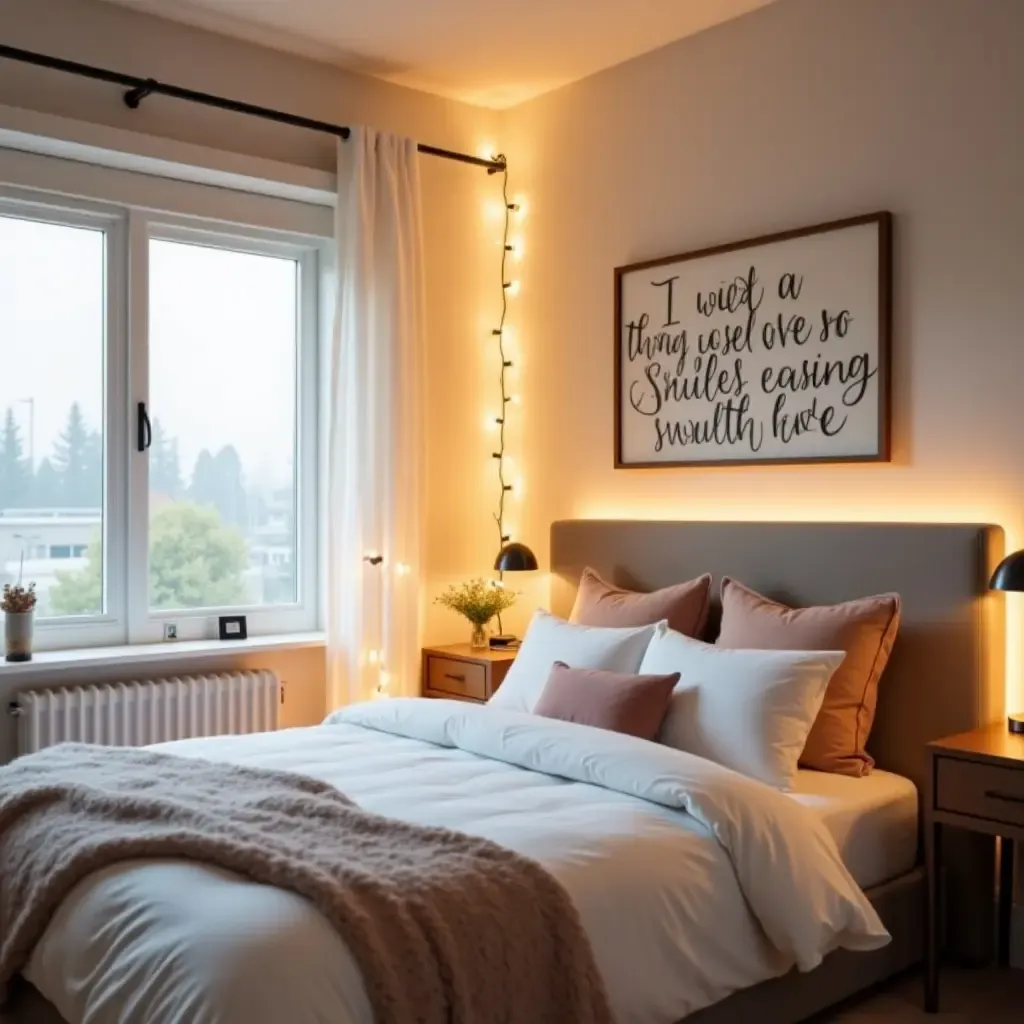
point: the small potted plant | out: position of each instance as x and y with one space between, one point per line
18 605
479 601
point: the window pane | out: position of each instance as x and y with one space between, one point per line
52 331
223 346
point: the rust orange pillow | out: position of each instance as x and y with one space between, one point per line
865 629
685 605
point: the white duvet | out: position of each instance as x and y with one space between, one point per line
691 880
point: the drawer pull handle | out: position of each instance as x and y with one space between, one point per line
991 794
454 678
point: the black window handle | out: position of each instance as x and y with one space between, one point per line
145 428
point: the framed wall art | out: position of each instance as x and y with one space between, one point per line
771 350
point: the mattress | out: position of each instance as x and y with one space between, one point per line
873 820
680 910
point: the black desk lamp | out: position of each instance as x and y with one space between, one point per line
1009 576
512 557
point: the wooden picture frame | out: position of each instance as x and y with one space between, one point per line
823 342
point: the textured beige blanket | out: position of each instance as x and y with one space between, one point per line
445 928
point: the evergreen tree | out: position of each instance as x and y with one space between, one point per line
46 487
217 481
230 498
203 490
78 460
164 464
93 491
15 471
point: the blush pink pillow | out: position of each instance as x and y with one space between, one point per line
634 705
865 629
685 605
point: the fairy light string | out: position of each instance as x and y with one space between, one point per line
506 364
508 287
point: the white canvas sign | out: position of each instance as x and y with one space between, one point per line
770 350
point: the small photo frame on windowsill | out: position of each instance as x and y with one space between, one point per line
232 627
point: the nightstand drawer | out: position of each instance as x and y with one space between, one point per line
462 678
980 790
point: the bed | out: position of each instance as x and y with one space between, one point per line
945 675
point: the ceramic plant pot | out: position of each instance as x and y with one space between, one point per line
18 635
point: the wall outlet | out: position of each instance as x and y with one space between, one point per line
170 631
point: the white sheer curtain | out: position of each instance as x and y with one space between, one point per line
376 435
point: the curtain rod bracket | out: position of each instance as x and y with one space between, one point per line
133 97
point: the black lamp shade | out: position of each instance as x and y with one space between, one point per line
1009 574
515 558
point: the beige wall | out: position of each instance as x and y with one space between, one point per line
802 112
462 261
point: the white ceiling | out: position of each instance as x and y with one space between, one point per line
493 53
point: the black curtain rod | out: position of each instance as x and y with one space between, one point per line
140 88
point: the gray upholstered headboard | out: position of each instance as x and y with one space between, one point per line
947 668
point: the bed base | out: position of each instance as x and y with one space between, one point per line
786 1000
794 997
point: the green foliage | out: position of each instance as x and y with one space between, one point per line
478 600
194 562
80 592
15 471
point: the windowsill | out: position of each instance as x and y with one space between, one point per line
163 653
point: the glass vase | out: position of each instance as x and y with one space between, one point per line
478 638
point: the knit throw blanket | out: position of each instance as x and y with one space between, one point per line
444 927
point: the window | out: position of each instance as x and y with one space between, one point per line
222 485
158 452
52 350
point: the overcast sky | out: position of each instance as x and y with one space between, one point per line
222 336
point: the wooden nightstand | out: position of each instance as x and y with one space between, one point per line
975 781
463 672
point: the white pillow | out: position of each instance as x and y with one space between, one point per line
750 711
549 639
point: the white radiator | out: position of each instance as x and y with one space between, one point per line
132 714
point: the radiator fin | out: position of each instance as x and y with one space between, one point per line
134 714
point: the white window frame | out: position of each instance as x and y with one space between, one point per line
127 618
109 626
